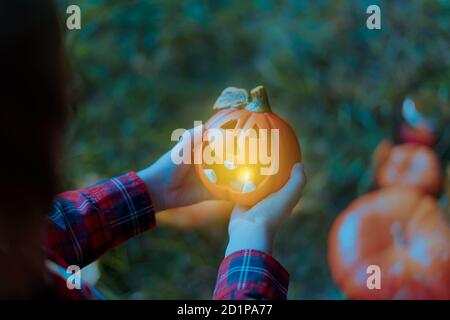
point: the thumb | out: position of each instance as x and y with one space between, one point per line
287 197
292 190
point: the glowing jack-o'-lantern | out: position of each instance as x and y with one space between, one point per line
255 157
401 232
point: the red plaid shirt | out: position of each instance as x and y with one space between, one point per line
87 223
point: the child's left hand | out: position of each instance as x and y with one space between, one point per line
170 185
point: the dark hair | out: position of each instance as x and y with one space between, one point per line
33 107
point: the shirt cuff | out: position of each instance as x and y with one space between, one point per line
251 274
86 223
127 197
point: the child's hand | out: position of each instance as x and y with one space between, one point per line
170 185
255 228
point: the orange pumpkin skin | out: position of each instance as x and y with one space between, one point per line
411 165
289 153
400 230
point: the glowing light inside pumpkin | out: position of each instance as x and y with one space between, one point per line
229 171
245 175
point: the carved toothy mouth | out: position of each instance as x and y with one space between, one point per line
240 178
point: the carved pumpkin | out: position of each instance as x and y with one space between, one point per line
245 183
400 230
410 165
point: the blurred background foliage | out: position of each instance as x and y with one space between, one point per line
144 68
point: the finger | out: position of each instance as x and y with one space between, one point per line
213 208
294 186
199 215
287 197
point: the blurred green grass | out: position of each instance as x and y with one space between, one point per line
144 68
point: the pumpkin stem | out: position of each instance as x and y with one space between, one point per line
260 100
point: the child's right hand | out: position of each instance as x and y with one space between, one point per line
255 228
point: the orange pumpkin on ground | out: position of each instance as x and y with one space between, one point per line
243 183
400 230
409 165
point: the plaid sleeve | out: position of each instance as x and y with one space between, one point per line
251 275
86 223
